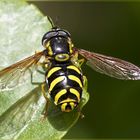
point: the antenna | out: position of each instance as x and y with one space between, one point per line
50 20
56 22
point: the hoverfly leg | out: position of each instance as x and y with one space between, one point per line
47 99
32 82
44 63
80 113
38 70
85 88
81 61
77 61
85 82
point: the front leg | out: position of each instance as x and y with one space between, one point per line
45 67
76 61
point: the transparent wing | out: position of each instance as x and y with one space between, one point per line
111 66
10 76
15 120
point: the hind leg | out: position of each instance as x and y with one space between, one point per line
47 99
83 97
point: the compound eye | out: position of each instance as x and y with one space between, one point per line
47 36
61 57
64 33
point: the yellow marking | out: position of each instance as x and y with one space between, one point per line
72 105
47 45
67 100
70 48
74 68
62 57
46 65
59 94
55 81
50 52
63 107
76 79
76 93
52 71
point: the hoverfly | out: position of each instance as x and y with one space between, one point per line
64 78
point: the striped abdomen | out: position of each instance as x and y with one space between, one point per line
65 84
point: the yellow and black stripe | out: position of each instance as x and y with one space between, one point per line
64 80
65 83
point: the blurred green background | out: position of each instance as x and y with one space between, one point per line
111 28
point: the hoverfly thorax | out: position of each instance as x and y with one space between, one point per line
58 44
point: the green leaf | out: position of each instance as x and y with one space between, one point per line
21 29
